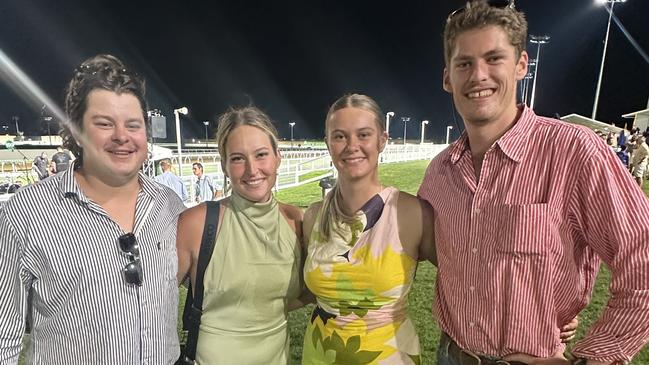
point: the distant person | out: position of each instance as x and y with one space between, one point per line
622 138
40 166
51 169
62 159
623 154
525 209
168 178
639 160
204 188
96 269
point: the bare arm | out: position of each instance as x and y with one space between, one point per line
188 240
415 220
307 222
427 247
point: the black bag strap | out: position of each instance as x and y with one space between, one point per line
194 302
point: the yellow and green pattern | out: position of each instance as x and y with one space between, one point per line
361 277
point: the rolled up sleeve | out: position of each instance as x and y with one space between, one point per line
613 215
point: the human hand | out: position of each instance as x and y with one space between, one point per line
569 330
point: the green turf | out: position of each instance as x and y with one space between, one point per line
312 174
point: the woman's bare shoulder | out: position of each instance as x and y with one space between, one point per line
291 212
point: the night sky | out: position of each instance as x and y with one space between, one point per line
293 59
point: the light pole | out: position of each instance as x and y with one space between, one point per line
539 40
15 119
526 87
292 124
601 67
526 81
177 113
423 123
405 125
448 132
206 124
388 115
48 119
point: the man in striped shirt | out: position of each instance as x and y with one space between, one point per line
100 281
526 207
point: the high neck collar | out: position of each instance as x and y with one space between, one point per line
253 210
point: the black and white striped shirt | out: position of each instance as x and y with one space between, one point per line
62 249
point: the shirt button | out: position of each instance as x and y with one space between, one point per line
472 288
474 250
477 210
471 324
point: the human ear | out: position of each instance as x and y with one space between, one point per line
521 66
446 82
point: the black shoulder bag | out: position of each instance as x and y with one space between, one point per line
194 301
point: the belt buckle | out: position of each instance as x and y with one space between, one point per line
502 362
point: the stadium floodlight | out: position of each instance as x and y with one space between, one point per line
423 123
405 126
292 124
601 67
206 124
448 132
388 115
539 40
177 113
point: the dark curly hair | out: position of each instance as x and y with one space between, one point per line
104 72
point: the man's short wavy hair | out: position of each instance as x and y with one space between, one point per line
104 72
479 14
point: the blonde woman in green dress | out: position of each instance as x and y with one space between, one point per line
253 278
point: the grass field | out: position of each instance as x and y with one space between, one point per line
407 177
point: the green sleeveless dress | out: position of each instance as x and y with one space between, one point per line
252 275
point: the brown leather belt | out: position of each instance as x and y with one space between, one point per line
462 357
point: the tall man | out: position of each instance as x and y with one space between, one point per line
204 187
168 178
525 209
101 283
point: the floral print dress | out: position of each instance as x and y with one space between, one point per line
361 277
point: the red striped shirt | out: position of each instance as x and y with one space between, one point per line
519 250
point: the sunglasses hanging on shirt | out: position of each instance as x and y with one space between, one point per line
132 272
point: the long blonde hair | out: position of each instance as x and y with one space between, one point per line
332 205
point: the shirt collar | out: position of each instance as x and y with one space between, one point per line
459 147
512 143
69 187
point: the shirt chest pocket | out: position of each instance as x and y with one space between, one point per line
524 230
169 258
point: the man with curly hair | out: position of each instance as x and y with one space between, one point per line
100 282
